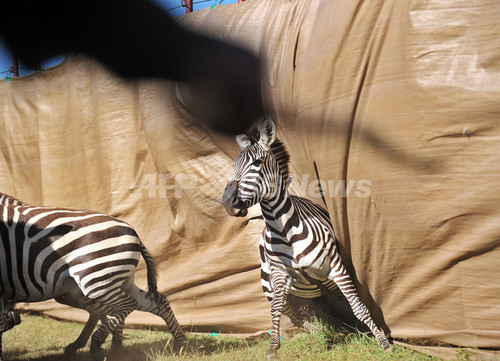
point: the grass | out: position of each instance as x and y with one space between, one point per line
40 338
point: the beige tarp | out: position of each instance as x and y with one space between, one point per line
398 104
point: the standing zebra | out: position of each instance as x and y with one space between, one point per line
298 248
81 258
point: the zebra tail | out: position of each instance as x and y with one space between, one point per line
151 269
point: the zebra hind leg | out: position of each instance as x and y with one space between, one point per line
117 342
122 306
297 317
158 305
345 284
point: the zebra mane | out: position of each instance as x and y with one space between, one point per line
6 199
282 156
278 149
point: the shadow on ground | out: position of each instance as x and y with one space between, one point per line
197 345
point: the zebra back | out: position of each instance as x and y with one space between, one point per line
41 246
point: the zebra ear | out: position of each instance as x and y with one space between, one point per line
243 140
267 133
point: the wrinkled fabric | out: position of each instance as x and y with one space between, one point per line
393 105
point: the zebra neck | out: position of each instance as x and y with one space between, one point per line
279 212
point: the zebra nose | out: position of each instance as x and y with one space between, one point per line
233 205
229 199
230 192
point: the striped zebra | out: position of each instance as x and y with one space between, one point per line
81 258
10 319
298 248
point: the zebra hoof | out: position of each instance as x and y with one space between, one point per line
388 347
9 320
271 354
117 348
98 356
16 317
179 346
309 327
71 349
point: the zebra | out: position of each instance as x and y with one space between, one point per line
12 318
81 258
298 249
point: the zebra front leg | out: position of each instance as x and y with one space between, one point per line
75 298
280 283
81 341
340 276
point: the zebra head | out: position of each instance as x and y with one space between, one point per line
257 171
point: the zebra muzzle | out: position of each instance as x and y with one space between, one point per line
232 203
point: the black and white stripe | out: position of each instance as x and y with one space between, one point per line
81 258
79 302
298 248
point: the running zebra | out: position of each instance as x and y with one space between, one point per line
81 258
10 319
298 247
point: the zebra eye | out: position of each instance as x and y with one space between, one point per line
257 163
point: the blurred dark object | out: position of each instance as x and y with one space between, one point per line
137 39
9 320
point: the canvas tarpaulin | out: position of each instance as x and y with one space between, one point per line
396 102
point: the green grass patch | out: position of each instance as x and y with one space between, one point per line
40 338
